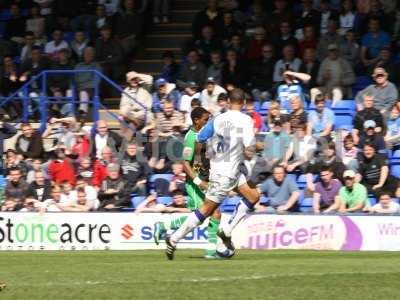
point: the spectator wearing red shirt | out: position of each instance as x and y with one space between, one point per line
81 148
61 168
100 166
257 119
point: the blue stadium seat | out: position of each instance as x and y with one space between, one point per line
343 121
257 106
264 108
159 179
395 170
5 15
372 200
292 176
229 204
396 154
346 105
305 204
264 200
137 200
361 83
166 200
302 181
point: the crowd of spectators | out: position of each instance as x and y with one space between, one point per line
296 60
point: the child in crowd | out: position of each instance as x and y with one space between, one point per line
386 205
349 153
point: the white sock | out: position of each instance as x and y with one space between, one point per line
238 215
191 223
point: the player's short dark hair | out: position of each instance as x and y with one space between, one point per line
236 96
198 112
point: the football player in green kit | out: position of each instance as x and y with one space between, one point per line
196 170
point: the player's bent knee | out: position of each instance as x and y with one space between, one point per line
208 208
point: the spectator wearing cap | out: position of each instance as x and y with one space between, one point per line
352 195
170 69
109 54
369 135
261 73
288 62
321 120
369 112
191 92
61 169
325 197
53 47
291 87
372 42
215 69
136 101
29 144
209 95
192 70
105 138
374 172
386 61
164 91
85 81
384 92
335 77
114 192
330 37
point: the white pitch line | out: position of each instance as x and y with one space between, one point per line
205 279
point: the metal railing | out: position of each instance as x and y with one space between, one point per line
40 86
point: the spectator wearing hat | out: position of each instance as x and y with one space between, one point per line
372 42
114 192
109 54
321 120
191 92
384 92
325 197
61 169
170 69
164 91
387 61
86 81
136 101
291 87
369 135
29 144
192 70
353 195
210 95
335 77
374 172
369 112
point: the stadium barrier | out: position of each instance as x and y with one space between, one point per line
124 231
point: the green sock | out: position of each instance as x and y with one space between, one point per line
212 230
176 223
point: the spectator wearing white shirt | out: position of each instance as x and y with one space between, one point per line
53 47
191 92
346 18
209 96
289 61
300 150
386 205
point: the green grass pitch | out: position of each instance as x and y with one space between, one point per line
249 275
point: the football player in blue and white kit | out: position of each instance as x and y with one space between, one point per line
228 135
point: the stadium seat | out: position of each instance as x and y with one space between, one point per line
166 200
396 154
395 170
346 105
5 15
137 200
229 204
305 204
343 121
257 106
264 108
372 200
264 200
160 183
